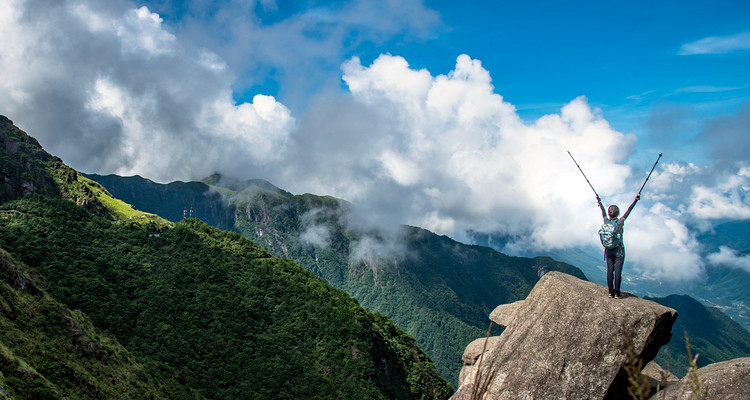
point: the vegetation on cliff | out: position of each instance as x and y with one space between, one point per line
438 290
224 316
48 351
215 314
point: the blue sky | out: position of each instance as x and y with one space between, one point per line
632 60
452 116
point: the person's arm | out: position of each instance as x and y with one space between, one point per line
601 206
637 197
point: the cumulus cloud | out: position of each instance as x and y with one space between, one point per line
448 154
726 198
459 157
113 88
663 246
299 43
112 91
730 258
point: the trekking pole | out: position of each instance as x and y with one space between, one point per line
584 175
649 174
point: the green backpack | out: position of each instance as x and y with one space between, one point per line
609 235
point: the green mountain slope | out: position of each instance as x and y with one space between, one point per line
48 351
712 334
220 314
438 290
25 168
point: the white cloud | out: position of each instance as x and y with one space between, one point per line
729 258
300 43
717 44
727 198
110 90
662 245
477 163
448 154
140 31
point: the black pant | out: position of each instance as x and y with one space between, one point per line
615 257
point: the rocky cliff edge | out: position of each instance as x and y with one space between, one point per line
567 340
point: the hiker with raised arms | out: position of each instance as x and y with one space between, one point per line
614 249
610 234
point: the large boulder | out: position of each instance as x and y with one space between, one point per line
722 380
568 340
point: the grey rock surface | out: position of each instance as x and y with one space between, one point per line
723 380
567 341
475 348
472 353
503 314
658 377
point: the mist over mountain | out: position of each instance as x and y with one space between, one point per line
425 282
436 289
213 313
431 285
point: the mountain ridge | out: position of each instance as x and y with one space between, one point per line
258 223
409 274
271 220
171 293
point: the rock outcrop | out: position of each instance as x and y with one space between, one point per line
722 380
567 340
658 377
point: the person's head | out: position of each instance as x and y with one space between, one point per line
613 211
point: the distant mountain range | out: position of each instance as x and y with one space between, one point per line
146 282
712 334
438 290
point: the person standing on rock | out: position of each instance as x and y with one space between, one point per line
614 253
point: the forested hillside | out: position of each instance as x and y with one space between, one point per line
219 315
48 351
438 290
712 334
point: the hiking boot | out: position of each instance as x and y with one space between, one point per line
618 295
611 295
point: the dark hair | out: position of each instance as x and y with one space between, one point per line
613 211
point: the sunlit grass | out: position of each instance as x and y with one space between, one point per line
120 210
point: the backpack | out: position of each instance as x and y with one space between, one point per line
609 235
